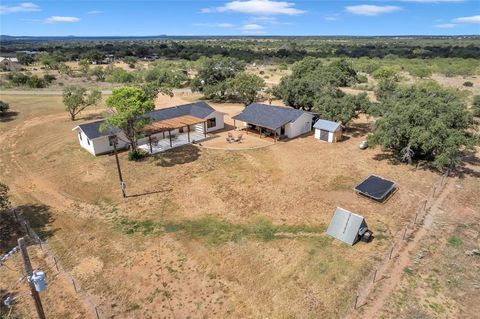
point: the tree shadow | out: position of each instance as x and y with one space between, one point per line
358 129
177 156
93 116
8 116
470 165
386 156
40 219
9 231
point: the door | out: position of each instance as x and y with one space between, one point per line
324 135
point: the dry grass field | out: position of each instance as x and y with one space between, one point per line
204 233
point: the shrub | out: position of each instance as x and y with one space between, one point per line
4 106
476 105
455 242
35 82
136 155
467 84
362 78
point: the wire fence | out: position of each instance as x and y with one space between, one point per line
400 241
87 299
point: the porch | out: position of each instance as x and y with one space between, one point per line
174 132
274 134
155 146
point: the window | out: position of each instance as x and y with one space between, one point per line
88 141
80 135
211 122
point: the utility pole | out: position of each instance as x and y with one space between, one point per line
29 272
114 140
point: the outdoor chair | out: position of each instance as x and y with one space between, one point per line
229 140
239 138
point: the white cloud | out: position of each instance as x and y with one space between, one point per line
215 25
58 19
332 17
257 7
22 7
445 25
94 12
472 19
371 10
252 27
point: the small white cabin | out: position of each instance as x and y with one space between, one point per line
328 131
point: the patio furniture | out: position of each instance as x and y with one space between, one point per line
238 139
229 140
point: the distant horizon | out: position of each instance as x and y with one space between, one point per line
141 18
244 36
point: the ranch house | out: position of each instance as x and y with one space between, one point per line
274 121
168 128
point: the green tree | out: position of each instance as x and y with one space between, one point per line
84 65
131 61
310 80
25 59
98 73
341 107
385 73
129 105
246 87
76 99
4 107
213 76
424 122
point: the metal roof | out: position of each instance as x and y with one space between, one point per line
269 116
345 226
92 130
197 109
327 125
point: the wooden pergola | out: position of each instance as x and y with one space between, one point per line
168 125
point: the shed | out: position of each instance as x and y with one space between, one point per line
347 226
328 131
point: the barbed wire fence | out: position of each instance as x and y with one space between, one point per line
36 239
400 241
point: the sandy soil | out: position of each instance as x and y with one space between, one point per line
169 274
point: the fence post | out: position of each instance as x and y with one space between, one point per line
356 300
55 261
405 232
391 252
74 286
374 275
96 312
434 189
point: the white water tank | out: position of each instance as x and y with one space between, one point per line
39 280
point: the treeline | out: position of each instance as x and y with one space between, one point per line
248 50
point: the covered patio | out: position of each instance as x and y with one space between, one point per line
262 131
167 134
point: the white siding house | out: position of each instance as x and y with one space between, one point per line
282 121
96 142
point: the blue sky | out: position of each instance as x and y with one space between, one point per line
241 17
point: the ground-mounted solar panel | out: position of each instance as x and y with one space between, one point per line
376 187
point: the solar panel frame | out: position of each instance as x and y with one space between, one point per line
377 192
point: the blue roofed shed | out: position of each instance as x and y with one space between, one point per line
328 131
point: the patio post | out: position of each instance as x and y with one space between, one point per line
275 136
259 131
234 125
170 137
205 128
188 133
150 142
